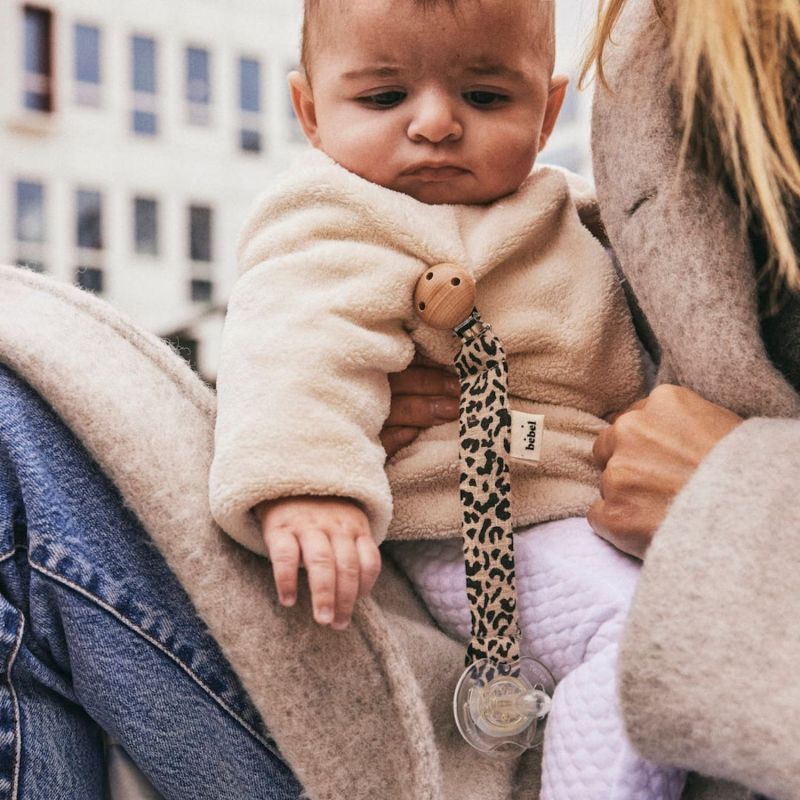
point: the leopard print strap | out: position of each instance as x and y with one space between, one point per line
485 487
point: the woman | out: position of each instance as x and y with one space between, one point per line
708 672
696 128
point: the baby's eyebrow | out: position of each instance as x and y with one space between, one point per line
495 71
383 71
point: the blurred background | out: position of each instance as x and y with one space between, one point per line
135 134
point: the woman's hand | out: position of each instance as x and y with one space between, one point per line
647 456
422 396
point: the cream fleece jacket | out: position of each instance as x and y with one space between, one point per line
323 312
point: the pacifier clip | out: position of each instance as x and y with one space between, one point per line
501 700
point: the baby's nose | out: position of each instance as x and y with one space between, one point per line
435 119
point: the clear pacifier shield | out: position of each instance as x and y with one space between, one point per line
500 709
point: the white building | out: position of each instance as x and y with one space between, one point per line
135 135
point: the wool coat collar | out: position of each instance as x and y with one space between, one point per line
678 234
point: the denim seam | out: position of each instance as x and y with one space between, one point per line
111 610
15 705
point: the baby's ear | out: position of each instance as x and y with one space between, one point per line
303 104
555 99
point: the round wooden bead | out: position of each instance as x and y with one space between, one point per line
444 296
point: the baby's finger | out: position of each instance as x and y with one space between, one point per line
284 553
370 558
347 579
321 568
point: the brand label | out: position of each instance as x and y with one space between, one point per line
526 436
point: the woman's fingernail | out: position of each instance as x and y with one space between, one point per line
453 386
325 616
445 408
288 600
340 624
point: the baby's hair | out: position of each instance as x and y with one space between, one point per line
313 22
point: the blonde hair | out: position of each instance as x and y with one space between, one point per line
736 66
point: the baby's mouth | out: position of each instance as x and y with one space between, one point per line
435 172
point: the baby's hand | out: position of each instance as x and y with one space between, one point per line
332 537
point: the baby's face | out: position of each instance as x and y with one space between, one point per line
448 106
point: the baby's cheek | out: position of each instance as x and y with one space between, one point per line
518 158
366 156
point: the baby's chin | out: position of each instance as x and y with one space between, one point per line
442 194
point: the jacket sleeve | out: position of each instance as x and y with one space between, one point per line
314 325
709 665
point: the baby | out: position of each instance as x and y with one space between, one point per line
426 118
444 105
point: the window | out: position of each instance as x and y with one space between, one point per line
27 263
200 233
201 290
198 85
145 86
250 105
201 286
38 88
29 227
89 239
90 279
30 212
145 226
87 65
89 220
186 346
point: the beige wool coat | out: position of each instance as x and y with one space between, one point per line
708 671
324 310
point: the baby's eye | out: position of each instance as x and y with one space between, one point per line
481 99
383 99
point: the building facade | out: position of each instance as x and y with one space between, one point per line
135 135
133 138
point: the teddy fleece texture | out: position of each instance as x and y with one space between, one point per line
323 311
708 670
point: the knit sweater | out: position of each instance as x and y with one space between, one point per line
323 312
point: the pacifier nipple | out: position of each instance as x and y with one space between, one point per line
500 709
507 705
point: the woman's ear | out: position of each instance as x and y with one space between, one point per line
555 99
303 104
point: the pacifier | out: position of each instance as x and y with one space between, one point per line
501 708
